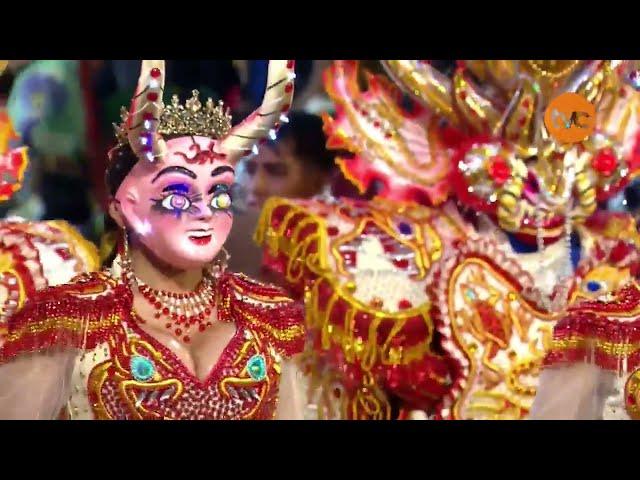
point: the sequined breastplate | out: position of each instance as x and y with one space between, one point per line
132 376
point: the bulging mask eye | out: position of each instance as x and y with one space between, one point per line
176 202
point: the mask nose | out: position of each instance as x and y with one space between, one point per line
204 212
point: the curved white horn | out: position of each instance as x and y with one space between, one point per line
145 112
242 138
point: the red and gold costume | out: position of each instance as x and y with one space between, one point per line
593 364
413 304
121 372
78 350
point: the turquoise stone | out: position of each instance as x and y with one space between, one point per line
470 294
257 367
142 368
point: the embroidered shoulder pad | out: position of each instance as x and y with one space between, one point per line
80 315
265 308
604 332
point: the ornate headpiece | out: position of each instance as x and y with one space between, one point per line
192 118
148 119
480 132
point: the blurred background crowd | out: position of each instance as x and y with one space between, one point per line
64 110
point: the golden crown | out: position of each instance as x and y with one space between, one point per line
211 120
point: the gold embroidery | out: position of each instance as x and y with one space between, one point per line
500 354
632 395
73 324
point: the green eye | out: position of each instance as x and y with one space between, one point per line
221 201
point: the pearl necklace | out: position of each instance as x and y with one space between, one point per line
182 311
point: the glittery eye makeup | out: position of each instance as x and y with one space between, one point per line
175 199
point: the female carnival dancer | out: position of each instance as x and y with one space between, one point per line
428 297
163 332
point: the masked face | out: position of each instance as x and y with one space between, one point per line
180 208
531 196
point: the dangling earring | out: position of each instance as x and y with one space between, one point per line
125 259
219 265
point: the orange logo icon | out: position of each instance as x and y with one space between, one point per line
570 118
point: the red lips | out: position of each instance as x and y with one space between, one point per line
201 240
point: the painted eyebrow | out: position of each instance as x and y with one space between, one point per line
175 169
220 170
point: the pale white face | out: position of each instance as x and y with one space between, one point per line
180 207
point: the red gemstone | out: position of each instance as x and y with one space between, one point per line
463 95
155 72
288 87
631 399
178 331
404 263
499 170
157 315
201 316
165 311
148 116
202 328
333 231
404 304
387 135
168 325
207 311
525 104
152 96
174 316
209 324
376 124
522 121
183 318
158 305
291 64
187 339
605 162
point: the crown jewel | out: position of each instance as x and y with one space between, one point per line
192 118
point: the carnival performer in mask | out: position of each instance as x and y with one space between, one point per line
163 331
438 298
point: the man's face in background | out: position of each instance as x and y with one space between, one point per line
278 171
